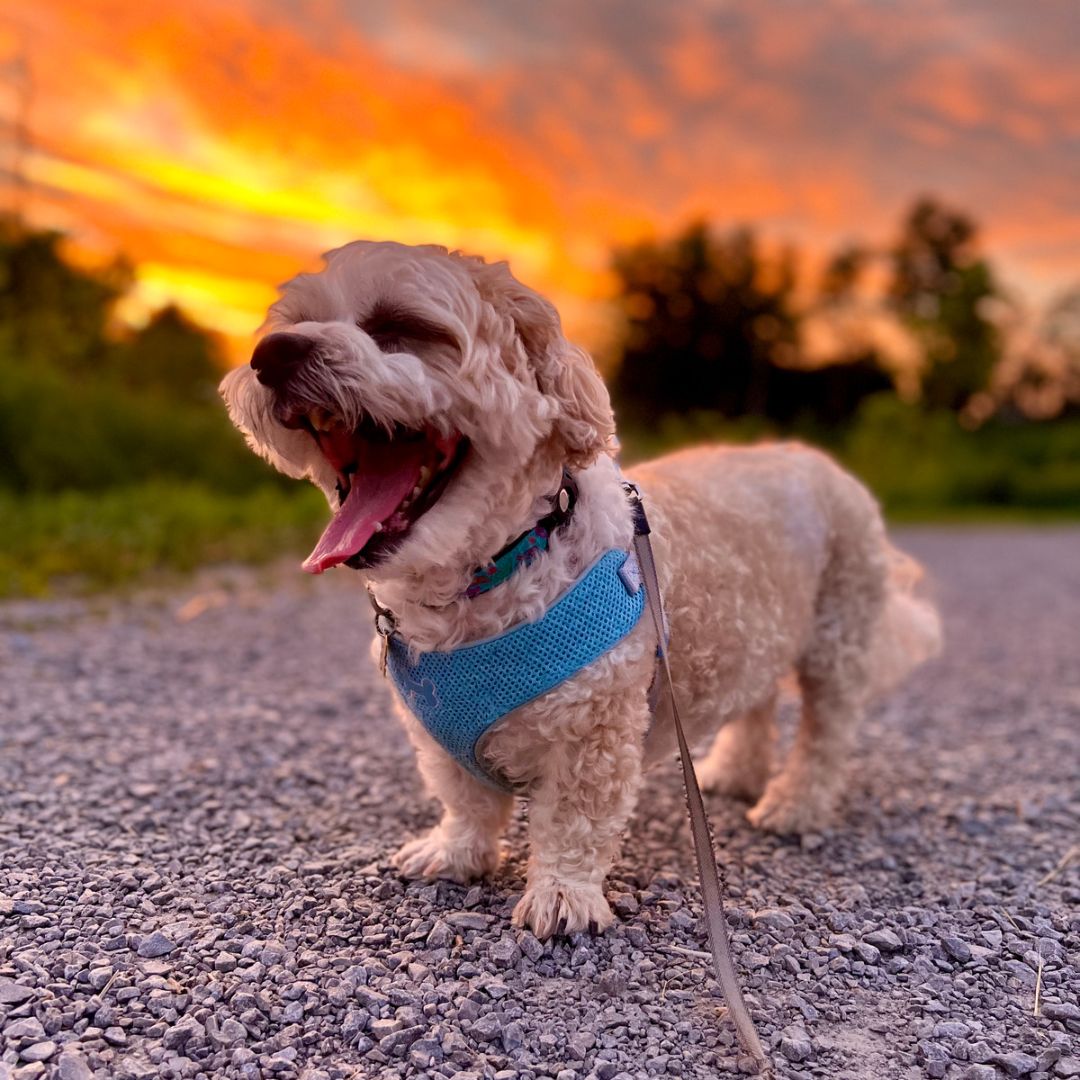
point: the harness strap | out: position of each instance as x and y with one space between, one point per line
711 888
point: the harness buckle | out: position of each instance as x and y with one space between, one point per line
637 507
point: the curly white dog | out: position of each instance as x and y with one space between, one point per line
467 450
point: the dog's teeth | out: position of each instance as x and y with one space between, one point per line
425 475
415 491
378 526
321 420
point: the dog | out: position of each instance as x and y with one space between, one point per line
438 405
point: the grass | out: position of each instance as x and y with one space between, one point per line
83 542
923 467
77 541
197 496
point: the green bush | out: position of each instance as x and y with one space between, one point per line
918 461
58 434
95 539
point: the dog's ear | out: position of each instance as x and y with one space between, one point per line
565 374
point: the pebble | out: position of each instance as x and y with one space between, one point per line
887 941
13 993
1065 1011
440 936
24 1031
795 1045
487 1028
958 949
41 1051
157 944
399 1041
934 1059
1016 1063
73 1066
468 920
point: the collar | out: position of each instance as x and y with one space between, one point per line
524 550
518 553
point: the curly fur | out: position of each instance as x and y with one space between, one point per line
772 560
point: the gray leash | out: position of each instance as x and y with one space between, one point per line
711 891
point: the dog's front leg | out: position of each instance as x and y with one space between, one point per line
465 844
578 810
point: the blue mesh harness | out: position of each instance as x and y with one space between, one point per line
458 694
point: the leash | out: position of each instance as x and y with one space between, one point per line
711 889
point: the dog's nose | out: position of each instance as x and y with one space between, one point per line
279 356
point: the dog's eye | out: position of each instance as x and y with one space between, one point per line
391 327
388 330
386 337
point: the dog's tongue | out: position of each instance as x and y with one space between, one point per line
385 474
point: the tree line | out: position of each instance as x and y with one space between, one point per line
711 321
87 403
56 315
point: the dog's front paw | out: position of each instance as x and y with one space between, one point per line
437 855
555 908
790 807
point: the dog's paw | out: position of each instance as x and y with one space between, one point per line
794 808
435 855
732 775
555 908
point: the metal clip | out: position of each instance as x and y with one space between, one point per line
637 508
385 627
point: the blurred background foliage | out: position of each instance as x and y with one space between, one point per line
910 364
116 456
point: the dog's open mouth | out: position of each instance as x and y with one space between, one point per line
386 481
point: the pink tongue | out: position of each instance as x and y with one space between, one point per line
385 475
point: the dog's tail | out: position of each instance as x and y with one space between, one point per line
909 630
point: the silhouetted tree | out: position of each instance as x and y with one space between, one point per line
50 310
843 273
705 320
829 395
945 291
57 315
1061 328
712 324
172 355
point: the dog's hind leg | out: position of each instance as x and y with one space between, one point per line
578 811
465 843
833 675
741 754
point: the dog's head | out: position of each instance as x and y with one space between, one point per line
408 383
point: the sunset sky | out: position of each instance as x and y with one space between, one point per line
222 146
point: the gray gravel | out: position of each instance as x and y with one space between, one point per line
200 790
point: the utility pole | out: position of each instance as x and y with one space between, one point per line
17 74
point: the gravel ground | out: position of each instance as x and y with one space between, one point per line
199 790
